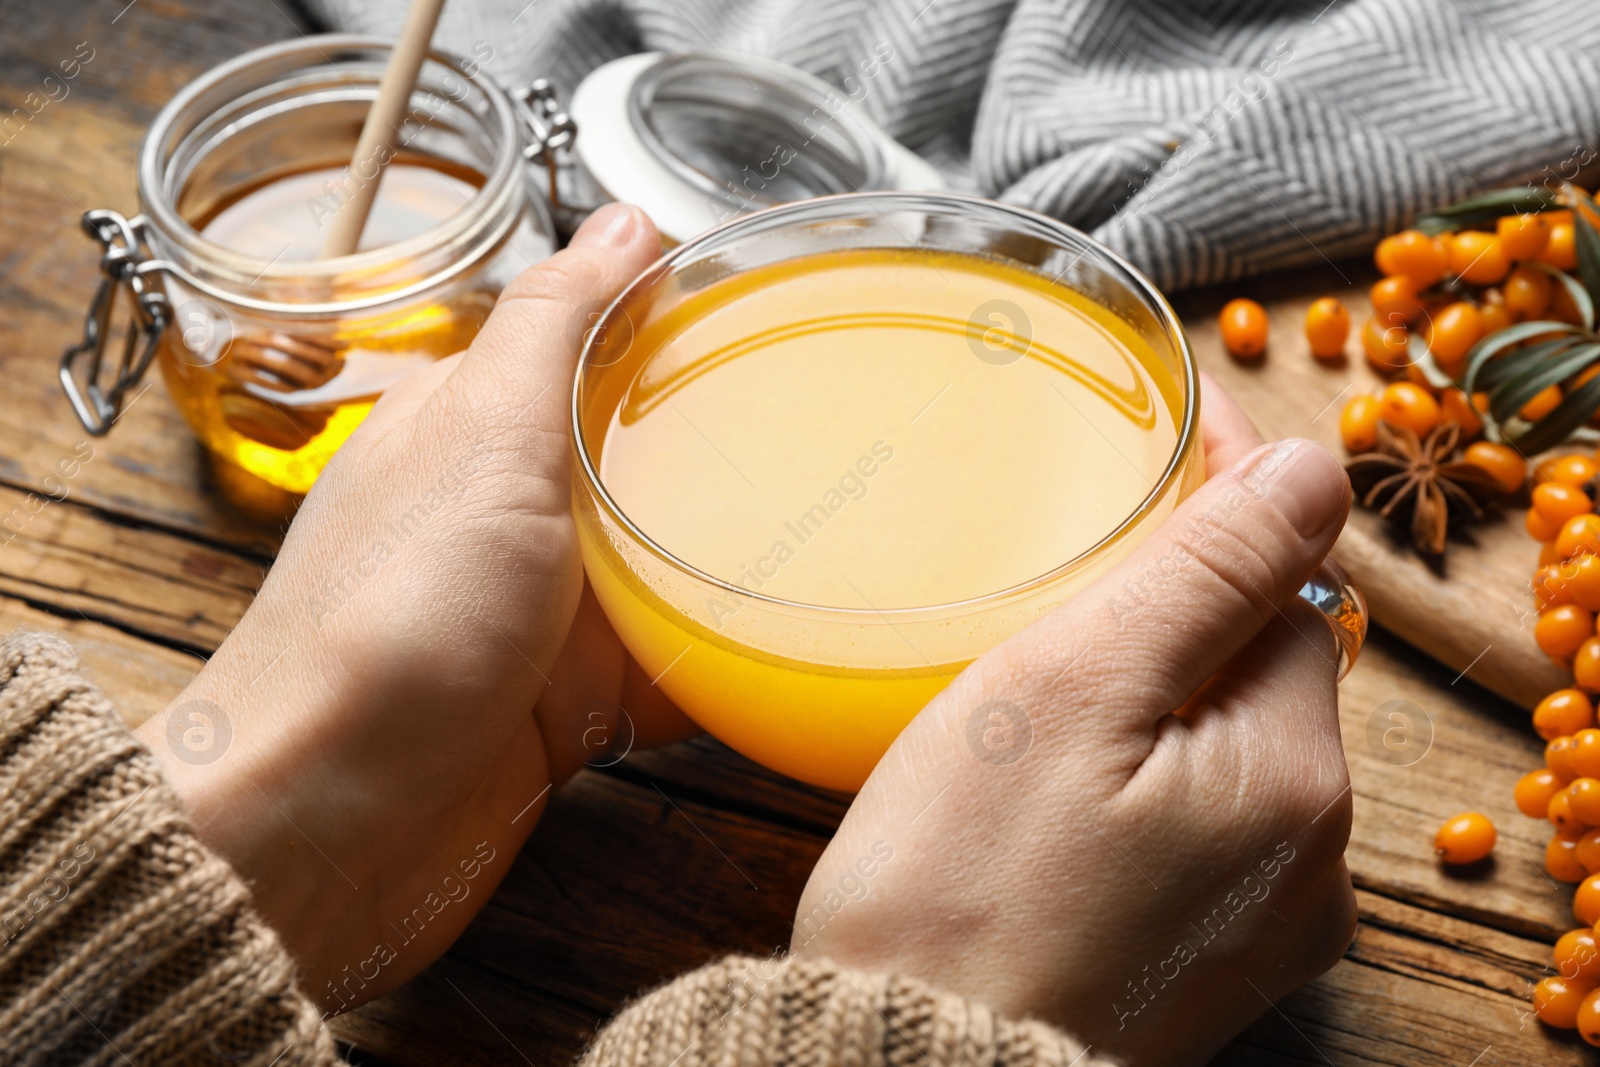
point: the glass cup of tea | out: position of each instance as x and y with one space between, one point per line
829 454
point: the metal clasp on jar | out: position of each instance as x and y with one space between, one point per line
124 263
551 134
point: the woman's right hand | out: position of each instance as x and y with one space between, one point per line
1050 838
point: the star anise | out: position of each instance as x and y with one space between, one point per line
1423 476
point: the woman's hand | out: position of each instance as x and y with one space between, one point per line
1129 819
373 742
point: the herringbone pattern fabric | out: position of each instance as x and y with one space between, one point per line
1204 139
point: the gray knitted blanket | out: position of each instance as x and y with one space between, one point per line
1204 139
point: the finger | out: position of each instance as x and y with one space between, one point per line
1278 703
518 370
578 711
1189 598
656 719
1226 430
599 704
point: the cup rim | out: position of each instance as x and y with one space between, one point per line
885 201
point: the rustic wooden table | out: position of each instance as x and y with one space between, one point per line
670 858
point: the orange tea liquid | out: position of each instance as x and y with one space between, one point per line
869 430
284 428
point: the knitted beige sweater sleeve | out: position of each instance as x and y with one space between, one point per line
125 940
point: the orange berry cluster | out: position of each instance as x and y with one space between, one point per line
1452 318
1414 407
1570 998
1566 790
1453 289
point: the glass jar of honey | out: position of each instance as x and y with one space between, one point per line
273 354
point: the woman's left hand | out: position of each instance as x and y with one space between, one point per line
375 740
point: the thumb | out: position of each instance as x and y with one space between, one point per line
518 371
1199 589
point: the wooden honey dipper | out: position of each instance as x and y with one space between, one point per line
286 364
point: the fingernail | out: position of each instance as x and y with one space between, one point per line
610 227
1303 482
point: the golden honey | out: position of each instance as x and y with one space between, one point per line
275 400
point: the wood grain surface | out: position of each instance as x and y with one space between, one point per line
673 857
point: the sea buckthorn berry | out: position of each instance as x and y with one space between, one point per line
1561 250
1528 292
1414 254
1552 584
1327 327
1559 502
1452 333
1581 576
1534 791
1583 756
1385 255
1543 403
1560 632
1493 317
1572 469
1244 328
1410 405
1558 759
1586 665
1522 236
1588 1018
1579 534
1586 901
1467 838
1387 347
1358 423
1583 796
1539 527
1394 301
1588 851
1456 407
1548 554
1561 859
1556 1001
1567 708
1577 957
1478 258
1562 817
1503 462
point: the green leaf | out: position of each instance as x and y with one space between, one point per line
1575 289
1557 426
1422 359
1509 397
1588 242
1488 348
1516 363
1487 208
